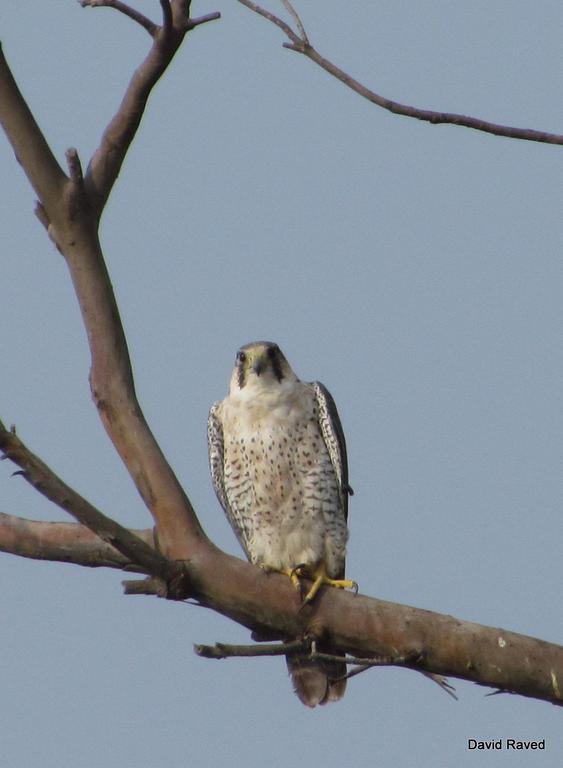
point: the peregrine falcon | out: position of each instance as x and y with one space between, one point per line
279 469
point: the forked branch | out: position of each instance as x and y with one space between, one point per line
44 480
107 160
299 42
126 10
70 207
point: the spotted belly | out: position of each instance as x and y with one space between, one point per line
284 495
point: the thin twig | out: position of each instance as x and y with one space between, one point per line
199 20
297 20
74 166
305 646
225 651
146 23
106 161
302 45
273 18
443 683
149 586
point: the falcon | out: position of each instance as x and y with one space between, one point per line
278 465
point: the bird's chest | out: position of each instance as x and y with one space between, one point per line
276 449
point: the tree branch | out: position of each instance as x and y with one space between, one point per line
71 211
32 151
225 651
199 20
296 18
52 487
64 542
132 13
306 648
300 43
365 627
303 646
107 160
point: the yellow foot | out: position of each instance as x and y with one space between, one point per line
292 573
318 574
320 577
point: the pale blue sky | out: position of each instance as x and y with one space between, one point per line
416 270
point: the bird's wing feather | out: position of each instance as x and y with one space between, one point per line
216 455
333 436
217 467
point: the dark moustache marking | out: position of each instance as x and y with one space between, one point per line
241 374
274 355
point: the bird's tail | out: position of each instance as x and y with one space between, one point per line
316 681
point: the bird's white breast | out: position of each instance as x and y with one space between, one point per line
278 475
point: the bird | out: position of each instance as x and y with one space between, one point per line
279 468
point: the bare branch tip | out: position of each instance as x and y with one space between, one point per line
74 165
125 10
149 586
41 214
166 15
297 20
286 29
198 21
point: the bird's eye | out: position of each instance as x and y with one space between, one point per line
241 356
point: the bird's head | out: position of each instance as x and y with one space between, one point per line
262 364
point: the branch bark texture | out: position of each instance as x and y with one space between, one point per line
65 543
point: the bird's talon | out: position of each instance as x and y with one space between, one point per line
295 574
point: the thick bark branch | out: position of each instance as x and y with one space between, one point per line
364 627
301 44
367 627
64 542
112 387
